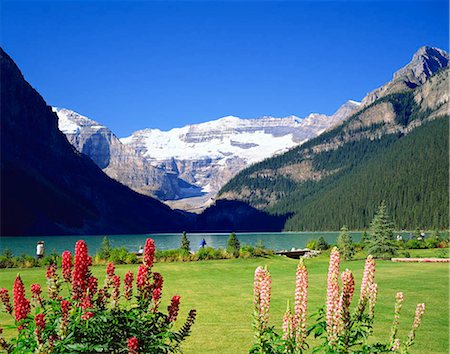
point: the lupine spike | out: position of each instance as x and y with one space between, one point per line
301 303
332 313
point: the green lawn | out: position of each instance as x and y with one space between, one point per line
221 291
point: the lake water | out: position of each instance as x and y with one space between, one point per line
275 241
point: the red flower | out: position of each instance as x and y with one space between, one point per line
156 295
128 285
116 290
149 253
142 278
4 297
87 315
51 271
21 303
67 266
80 276
92 285
65 307
36 290
173 308
158 279
110 270
133 345
39 319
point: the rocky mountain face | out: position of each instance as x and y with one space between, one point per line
309 177
209 154
48 188
425 63
117 160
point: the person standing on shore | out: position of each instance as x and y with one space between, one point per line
40 250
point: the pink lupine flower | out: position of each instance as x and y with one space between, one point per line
366 283
128 285
332 314
266 285
261 295
395 345
420 310
348 289
288 324
132 345
4 297
398 306
21 303
149 253
173 308
373 294
301 301
80 276
66 265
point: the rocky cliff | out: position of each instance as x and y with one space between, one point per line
48 188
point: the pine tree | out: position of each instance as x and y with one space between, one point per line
365 238
185 244
105 249
381 242
322 244
233 245
345 244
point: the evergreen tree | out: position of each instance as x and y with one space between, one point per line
345 244
381 242
321 244
105 249
365 238
233 245
185 243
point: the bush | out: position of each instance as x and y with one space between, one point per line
6 259
91 319
120 256
312 244
414 244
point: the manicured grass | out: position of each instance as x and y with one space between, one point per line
221 291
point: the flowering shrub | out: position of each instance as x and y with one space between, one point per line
92 318
341 329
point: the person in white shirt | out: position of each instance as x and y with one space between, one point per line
40 249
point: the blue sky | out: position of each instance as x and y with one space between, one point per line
133 65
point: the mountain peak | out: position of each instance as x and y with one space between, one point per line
425 62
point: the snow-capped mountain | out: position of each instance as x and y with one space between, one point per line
117 160
208 154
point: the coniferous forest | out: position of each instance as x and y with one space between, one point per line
408 170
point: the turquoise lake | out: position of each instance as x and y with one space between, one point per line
275 241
